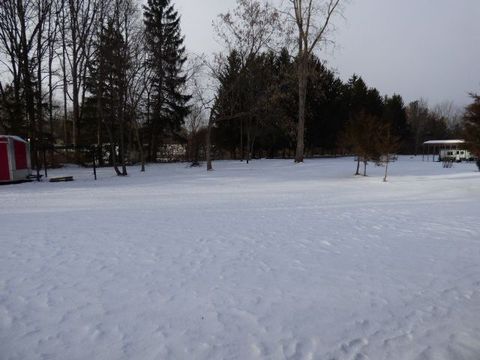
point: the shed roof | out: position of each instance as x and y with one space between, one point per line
444 142
16 138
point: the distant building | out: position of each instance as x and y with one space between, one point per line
171 153
446 150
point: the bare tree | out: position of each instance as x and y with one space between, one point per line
361 137
137 86
80 19
253 26
387 145
196 120
451 114
312 19
52 45
249 29
10 44
22 24
137 74
205 84
210 105
118 79
44 48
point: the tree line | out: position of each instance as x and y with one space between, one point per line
262 99
116 74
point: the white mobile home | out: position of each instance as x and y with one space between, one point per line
455 155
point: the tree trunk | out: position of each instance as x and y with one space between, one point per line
386 170
154 144
51 46
39 85
196 152
302 97
76 44
241 141
122 145
28 86
113 150
208 145
50 100
249 127
140 145
65 84
75 89
252 145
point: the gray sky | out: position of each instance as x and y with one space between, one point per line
417 48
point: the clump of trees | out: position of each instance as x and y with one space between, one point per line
472 126
338 114
312 21
98 72
376 128
443 121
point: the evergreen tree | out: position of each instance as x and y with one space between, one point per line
417 114
107 83
362 99
365 109
12 114
395 114
166 57
326 109
472 127
280 109
230 101
252 105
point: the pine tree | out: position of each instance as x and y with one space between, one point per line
472 126
108 85
230 101
325 113
248 106
166 57
12 113
395 113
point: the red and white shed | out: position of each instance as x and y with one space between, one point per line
15 163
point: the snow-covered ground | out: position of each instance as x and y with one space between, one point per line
263 261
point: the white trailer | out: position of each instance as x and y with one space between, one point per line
457 155
447 150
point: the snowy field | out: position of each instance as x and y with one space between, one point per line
263 261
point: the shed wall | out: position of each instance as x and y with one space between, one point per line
21 162
4 162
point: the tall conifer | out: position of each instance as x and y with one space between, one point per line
166 57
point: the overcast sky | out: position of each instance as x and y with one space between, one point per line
417 48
